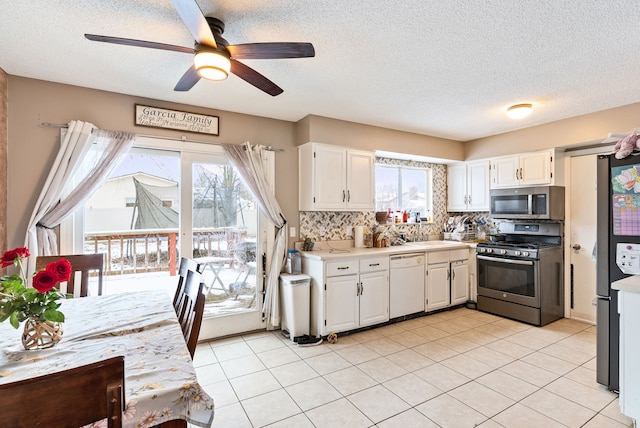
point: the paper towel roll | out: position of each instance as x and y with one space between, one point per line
358 236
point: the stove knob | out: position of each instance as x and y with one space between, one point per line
481 250
503 251
525 253
517 253
489 250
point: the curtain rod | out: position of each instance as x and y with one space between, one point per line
183 138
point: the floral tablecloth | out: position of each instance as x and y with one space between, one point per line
160 380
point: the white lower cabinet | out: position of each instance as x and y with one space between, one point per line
447 281
348 294
438 289
342 303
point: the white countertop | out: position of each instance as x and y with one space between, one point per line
630 283
411 247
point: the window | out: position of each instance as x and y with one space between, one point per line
404 188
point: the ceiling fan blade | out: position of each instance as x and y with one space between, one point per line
271 50
187 80
195 21
251 76
138 43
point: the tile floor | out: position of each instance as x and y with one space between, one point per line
460 368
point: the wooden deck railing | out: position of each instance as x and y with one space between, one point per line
147 250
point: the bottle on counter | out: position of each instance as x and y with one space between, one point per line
293 264
405 217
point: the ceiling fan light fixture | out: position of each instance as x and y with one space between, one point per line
519 111
212 64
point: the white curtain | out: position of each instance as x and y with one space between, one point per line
52 207
248 161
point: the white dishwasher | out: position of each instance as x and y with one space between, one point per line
406 284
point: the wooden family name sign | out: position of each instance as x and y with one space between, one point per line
174 119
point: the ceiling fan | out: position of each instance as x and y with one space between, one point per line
214 57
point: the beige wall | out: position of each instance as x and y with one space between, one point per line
3 160
562 133
32 147
332 131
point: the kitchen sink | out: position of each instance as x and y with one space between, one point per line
434 242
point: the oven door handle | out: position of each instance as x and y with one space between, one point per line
501 260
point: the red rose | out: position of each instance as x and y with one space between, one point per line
9 257
44 281
61 269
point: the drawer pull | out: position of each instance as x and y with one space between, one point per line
374 264
343 268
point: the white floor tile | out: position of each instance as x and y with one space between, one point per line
408 419
559 409
410 360
350 380
231 416
222 393
297 421
585 396
278 357
382 369
448 412
483 399
292 373
442 377
242 366
269 408
507 385
520 416
412 389
359 353
313 393
327 363
378 403
339 413
254 384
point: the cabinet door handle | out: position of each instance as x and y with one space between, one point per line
469 199
453 274
348 196
361 289
344 196
448 274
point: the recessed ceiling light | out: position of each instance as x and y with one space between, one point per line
519 111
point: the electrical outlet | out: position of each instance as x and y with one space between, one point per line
292 232
348 230
321 231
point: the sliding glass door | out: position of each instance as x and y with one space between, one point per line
170 199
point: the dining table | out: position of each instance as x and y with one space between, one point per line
160 380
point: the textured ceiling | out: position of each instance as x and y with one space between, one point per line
442 68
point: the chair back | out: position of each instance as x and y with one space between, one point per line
191 309
70 398
83 263
186 265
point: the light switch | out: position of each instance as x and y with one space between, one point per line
292 232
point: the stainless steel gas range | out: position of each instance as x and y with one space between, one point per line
521 277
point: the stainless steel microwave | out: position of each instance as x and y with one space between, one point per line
540 203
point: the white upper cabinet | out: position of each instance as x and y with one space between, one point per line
334 178
527 169
468 186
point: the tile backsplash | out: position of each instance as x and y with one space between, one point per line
332 225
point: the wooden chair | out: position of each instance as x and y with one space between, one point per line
79 263
191 309
186 265
70 398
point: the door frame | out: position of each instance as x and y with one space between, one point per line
72 230
593 150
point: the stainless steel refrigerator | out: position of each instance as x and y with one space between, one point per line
618 222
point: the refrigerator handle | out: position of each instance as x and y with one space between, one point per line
604 298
